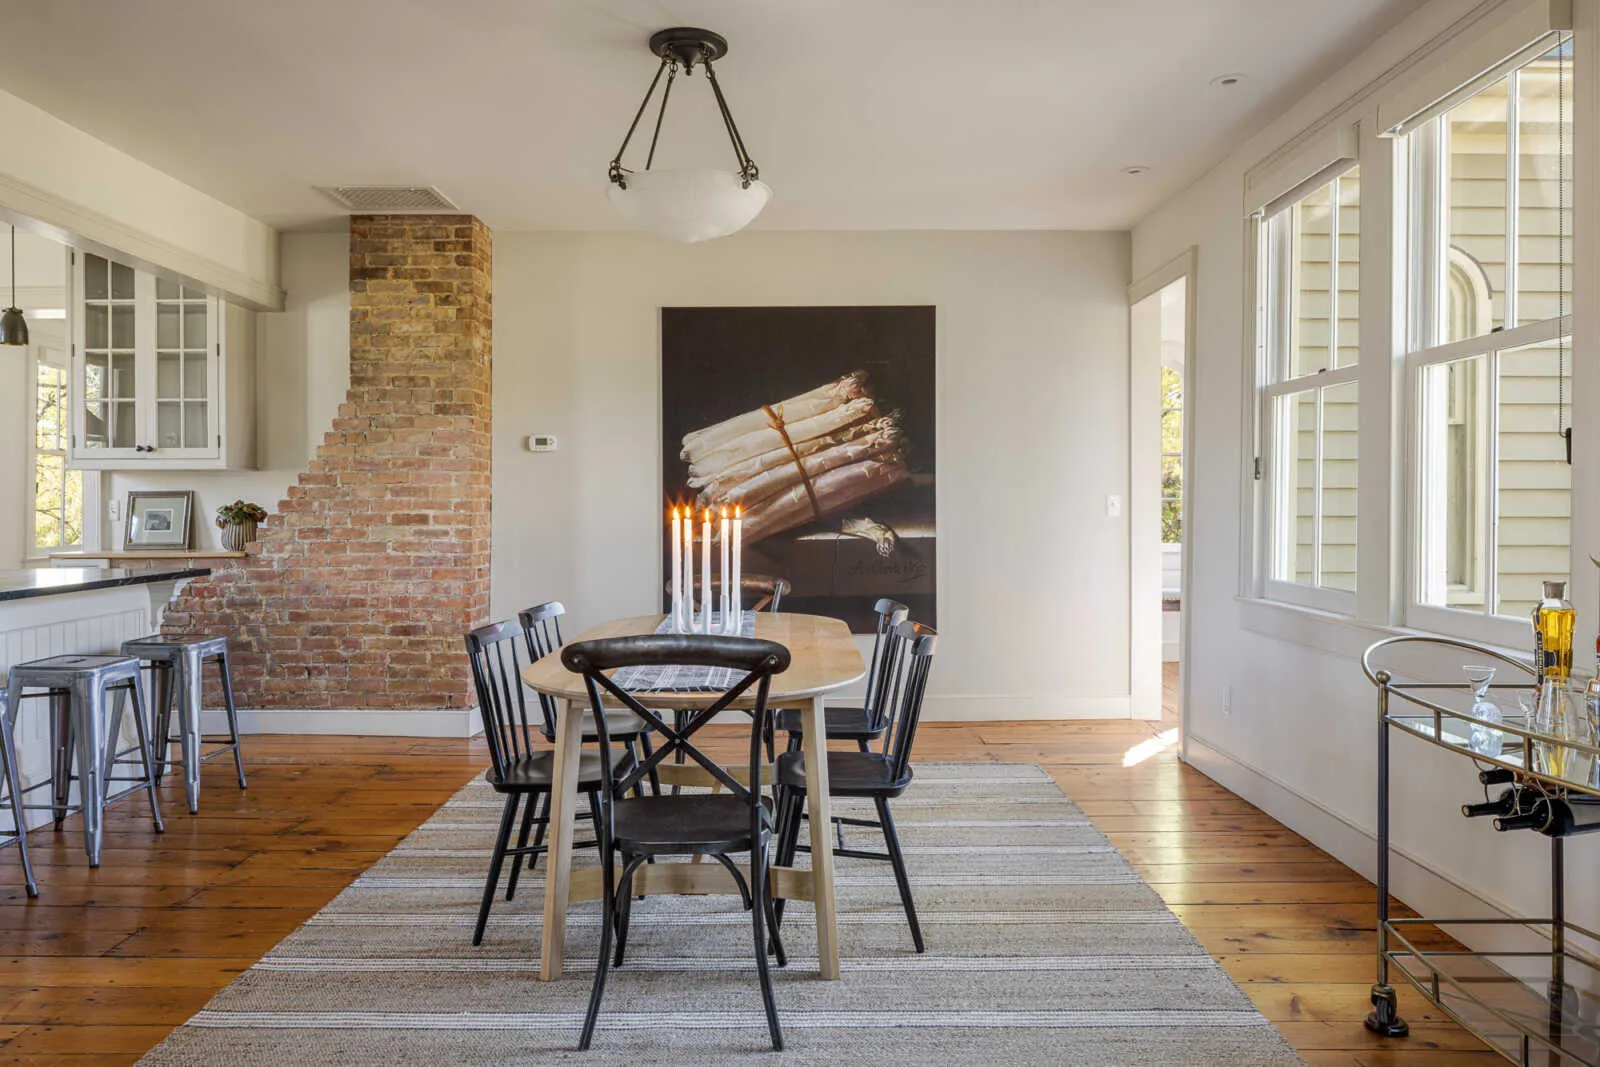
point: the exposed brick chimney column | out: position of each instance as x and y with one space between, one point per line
358 592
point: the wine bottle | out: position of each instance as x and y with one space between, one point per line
1554 620
1504 804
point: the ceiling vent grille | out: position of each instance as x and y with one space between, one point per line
386 199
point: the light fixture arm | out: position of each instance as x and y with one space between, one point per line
748 171
684 47
616 171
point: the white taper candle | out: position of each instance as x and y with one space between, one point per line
677 571
706 602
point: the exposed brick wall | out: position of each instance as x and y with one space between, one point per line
362 583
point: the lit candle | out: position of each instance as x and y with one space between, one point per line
738 569
705 572
687 587
677 572
726 591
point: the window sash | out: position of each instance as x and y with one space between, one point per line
1278 280
1277 463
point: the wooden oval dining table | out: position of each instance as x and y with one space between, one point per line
823 659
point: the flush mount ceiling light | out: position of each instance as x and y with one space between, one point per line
1227 81
13 327
687 205
1135 170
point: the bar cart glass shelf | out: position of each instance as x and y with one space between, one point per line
1535 1006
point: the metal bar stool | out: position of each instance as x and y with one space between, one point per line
176 663
13 787
78 687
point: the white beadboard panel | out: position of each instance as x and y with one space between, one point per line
67 623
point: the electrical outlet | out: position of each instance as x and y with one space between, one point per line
115 508
1227 700
1113 506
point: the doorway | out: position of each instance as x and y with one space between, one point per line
1160 450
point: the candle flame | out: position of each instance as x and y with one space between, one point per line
724 511
738 511
708 514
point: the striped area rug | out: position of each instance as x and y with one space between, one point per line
1044 948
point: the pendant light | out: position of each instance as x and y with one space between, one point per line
695 204
13 327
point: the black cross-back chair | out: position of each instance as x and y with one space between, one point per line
863 724
878 776
518 771
640 828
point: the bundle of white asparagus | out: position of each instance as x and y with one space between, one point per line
792 463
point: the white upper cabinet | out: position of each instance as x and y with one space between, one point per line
162 374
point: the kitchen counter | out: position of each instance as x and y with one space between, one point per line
55 581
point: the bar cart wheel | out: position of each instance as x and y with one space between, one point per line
1385 1019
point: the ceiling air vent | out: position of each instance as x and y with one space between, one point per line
385 199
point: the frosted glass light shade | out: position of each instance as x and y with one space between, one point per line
689 205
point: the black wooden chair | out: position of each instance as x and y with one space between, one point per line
762 592
518 771
864 724
541 628
638 829
878 776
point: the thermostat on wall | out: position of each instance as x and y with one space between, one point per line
542 442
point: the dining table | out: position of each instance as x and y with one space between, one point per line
823 659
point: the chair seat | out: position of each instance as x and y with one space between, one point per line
850 774
718 822
844 724
538 771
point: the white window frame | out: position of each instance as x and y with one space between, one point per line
1275 251
1421 228
90 520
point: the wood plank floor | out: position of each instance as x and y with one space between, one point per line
106 962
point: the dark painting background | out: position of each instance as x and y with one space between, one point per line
720 362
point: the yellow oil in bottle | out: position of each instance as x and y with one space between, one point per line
1554 622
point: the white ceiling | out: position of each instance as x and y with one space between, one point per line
862 114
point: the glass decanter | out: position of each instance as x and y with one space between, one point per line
1485 740
1556 716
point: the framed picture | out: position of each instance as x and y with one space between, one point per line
159 520
819 423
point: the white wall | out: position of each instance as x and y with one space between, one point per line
1032 433
302 373
1299 735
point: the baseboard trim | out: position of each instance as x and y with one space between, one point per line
1419 885
991 708
438 722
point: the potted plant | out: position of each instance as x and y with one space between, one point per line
237 521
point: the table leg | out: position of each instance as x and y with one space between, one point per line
558 861
819 810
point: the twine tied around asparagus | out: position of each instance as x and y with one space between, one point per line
775 419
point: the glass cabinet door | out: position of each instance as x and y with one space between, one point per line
110 385
184 343
148 377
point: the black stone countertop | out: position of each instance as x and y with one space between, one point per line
50 581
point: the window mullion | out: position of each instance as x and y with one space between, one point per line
1316 493
1491 475
1513 172
1333 275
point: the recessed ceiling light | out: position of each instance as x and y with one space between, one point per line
1137 168
1227 81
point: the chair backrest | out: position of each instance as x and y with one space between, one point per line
891 613
497 664
910 660
766 590
541 632
758 660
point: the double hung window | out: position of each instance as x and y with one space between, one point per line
1308 356
1488 189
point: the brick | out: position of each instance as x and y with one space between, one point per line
358 589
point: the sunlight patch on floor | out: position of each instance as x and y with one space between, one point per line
1153 747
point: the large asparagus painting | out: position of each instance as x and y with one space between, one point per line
819 424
